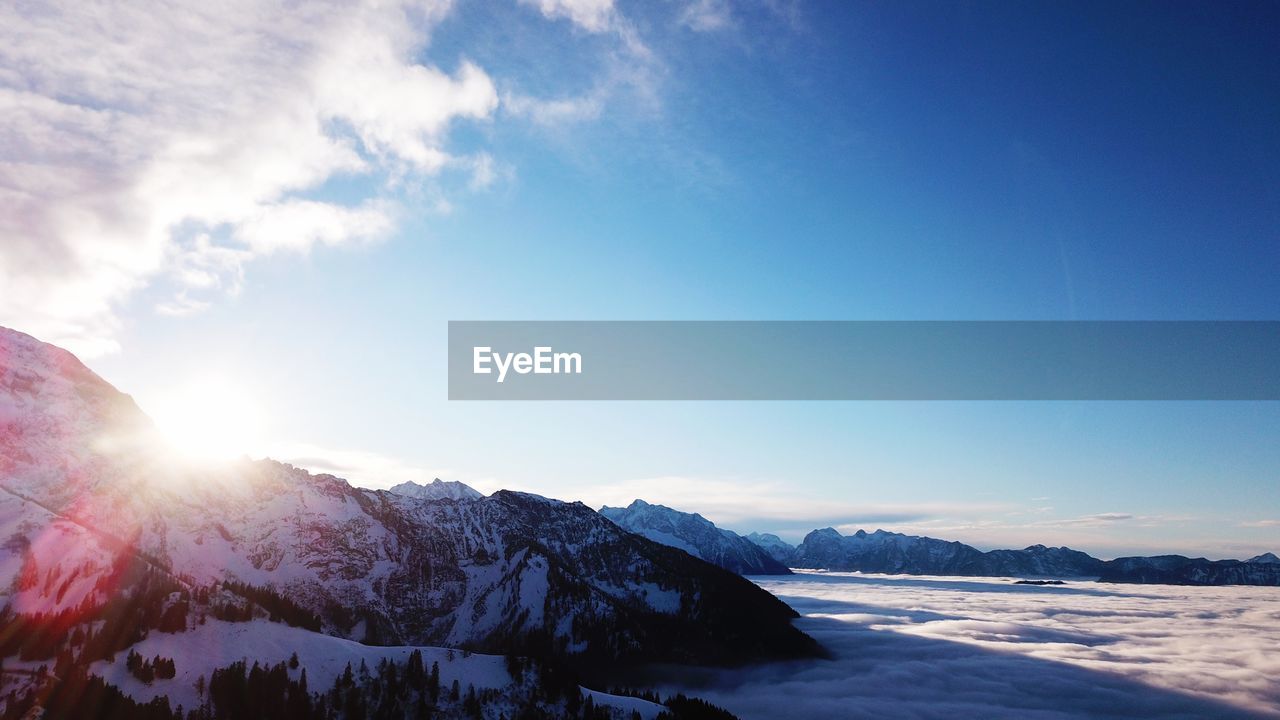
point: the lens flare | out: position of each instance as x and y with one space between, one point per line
212 418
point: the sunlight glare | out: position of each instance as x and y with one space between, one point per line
209 419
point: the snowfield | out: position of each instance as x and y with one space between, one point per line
948 647
216 644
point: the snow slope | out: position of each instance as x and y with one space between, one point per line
205 648
215 644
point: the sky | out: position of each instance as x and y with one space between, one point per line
258 218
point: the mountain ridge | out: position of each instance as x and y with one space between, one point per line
437 489
887 552
695 535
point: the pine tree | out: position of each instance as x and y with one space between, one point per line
414 672
354 706
471 706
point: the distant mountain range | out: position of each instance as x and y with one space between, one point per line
1178 570
697 536
896 553
889 552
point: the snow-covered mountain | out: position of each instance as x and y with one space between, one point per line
90 508
1179 570
778 549
895 553
889 552
1042 561
697 536
437 490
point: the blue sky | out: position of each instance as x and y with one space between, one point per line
711 160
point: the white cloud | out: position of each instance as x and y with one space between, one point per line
555 111
1260 524
298 225
922 647
628 68
590 15
485 171
1093 520
181 304
137 139
629 73
706 15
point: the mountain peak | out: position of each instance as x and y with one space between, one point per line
695 535
46 378
760 538
59 421
1267 558
777 548
639 505
437 490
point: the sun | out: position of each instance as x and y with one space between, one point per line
210 418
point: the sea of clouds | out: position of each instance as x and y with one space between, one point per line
947 647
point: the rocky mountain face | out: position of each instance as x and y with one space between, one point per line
778 549
888 552
697 536
86 494
437 490
1041 561
1180 570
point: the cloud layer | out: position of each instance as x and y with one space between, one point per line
914 647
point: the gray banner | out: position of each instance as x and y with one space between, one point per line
863 360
